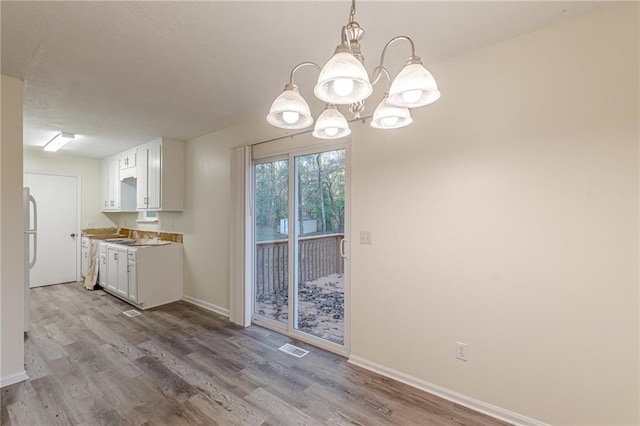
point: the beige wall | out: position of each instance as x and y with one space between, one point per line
11 236
205 220
505 217
89 171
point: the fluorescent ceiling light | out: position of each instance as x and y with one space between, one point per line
58 141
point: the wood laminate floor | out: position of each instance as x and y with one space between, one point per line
88 364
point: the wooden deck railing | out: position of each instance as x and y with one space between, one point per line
319 257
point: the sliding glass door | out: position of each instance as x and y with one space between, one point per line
319 236
271 273
300 249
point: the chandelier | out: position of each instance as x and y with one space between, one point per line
344 81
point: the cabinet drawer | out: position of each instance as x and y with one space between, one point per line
131 254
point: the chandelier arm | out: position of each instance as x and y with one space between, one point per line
392 41
301 65
377 73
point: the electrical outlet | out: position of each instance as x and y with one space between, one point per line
91 225
365 237
461 351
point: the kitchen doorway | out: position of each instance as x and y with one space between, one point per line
299 274
58 200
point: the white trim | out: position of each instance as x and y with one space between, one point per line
79 228
449 395
206 305
14 378
240 251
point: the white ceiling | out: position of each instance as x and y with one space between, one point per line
118 74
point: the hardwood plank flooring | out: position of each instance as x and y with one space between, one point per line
88 364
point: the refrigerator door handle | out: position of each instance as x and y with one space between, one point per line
34 231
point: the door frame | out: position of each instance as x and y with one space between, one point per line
78 230
288 329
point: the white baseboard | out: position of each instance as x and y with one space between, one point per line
458 398
206 305
14 378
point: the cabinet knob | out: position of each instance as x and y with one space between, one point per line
73 235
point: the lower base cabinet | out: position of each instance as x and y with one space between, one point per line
102 265
144 276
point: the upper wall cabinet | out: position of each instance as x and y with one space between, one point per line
118 191
110 187
160 166
149 177
127 162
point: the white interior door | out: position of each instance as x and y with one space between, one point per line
58 228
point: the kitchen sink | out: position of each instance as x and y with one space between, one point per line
133 242
124 241
149 243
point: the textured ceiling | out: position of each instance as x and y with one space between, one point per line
118 74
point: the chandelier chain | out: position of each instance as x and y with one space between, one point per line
352 12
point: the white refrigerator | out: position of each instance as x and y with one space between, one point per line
30 209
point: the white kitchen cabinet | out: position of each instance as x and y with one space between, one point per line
102 269
85 248
115 184
152 275
133 281
118 186
160 166
112 268
110 184
127 164
117 276
123 272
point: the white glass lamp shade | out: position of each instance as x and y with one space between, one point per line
413 87
290 110
390 117
331 124
343 80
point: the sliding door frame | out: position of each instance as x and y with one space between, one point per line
288 329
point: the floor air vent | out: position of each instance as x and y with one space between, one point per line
293 350
132 313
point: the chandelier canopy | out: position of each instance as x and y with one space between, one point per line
344 81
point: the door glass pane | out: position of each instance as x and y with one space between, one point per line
319 207
271 183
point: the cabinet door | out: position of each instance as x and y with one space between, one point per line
104 187
102 270
128 160
116 184
154 182
112 268
123 276
143 161
133 282
131 158
84 260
